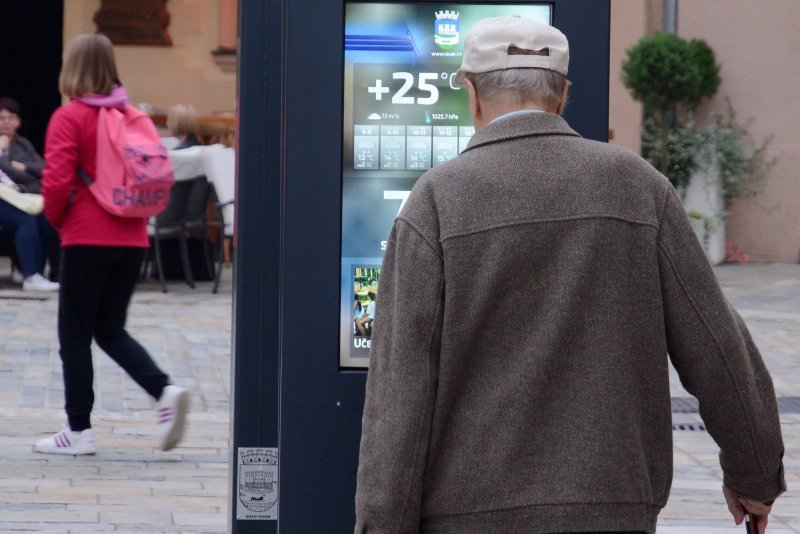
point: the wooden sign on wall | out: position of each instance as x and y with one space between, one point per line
143 22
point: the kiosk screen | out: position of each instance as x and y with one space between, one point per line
403 114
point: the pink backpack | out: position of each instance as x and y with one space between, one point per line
134 174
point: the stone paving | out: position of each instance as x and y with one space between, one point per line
768 299
130 487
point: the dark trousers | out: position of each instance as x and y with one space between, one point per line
96 287
52 245
32 237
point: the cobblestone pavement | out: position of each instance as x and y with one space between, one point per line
130 487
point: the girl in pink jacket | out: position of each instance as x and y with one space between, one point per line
101 255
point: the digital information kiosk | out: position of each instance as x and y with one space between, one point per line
403 114
343 106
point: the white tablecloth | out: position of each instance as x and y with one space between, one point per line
170 142
187 162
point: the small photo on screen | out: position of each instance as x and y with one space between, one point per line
365 292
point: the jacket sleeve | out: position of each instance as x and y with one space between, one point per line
22 150
34 163
59 175
717 361
401 385
19 177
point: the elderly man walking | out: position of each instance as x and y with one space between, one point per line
532 293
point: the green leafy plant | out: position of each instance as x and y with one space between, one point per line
707 225
673 151
671 76
742 161
664 70
367 277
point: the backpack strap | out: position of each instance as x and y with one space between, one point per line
84 176
86 180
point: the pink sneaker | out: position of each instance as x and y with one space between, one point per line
67 442
172 408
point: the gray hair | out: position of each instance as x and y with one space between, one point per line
521 84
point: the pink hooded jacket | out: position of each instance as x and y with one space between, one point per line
69 206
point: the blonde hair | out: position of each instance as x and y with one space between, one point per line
89 66
182 119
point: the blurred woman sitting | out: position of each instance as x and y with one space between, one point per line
21 168
182 123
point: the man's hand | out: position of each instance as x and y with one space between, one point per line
18 165
737 504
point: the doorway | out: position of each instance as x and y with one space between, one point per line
32 41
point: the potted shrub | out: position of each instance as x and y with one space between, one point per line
710 165
670 77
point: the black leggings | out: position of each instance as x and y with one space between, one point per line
96 286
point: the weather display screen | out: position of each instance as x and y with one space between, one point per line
403 114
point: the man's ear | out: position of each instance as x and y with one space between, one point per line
564 93
474 103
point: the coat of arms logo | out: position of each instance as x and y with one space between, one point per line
258 479
446 29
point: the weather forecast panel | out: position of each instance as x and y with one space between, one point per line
403 114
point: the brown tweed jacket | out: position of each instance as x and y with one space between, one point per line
531 293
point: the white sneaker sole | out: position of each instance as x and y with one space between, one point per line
175 433
67 451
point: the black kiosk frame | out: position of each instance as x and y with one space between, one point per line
296 412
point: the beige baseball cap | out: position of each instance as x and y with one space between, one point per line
532 45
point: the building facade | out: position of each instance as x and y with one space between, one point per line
759 76
755 44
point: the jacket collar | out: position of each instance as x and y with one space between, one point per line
523 125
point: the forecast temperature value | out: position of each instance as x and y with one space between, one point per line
423 82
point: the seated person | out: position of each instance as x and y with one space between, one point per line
32 237
21 166
369 315
182 123
18 158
